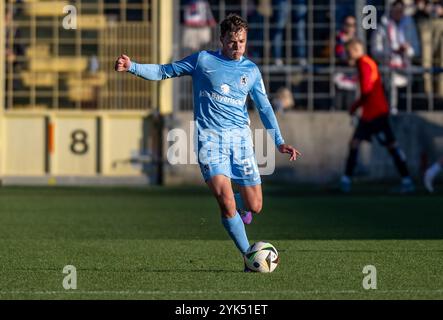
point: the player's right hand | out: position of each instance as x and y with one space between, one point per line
286 148
123 63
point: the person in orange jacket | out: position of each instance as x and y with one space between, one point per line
374 120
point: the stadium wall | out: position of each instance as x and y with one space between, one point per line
79 148
74 147
323 139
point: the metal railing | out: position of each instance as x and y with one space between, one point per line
49 66
55 68
310 78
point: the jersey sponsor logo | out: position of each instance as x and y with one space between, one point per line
225 88
244 80
222 99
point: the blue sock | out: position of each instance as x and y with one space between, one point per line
236 230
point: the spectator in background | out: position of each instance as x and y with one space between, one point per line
431 174
300 12
343 9
411 32
198 23
283 101
390 48
429 19
374 120
259 11
93 73
281 14
345 81
321 31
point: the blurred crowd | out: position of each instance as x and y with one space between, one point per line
406 36
407 43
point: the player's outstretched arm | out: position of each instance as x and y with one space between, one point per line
267 115
157 71
264 107
286 148
145 71
123 63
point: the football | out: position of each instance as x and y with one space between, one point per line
261 257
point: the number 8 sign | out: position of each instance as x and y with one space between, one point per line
76 146
79 145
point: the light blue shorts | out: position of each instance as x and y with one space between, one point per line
231 154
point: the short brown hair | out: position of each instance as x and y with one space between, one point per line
233 23
353 42
398 2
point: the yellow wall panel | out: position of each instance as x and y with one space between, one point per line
2 142
75 146
166 53
60 64
122 141
47 8
24 146
40 79
91 21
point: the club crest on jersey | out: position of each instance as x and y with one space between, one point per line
225 88
244 80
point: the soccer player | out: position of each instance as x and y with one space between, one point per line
374 119
431 173
222 81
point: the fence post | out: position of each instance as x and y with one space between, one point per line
165 53
310 26
2 82
2 56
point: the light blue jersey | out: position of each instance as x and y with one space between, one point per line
221 86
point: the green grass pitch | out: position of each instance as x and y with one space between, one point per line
168 243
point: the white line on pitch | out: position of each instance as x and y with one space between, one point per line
141 292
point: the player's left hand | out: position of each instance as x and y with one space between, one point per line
286 148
